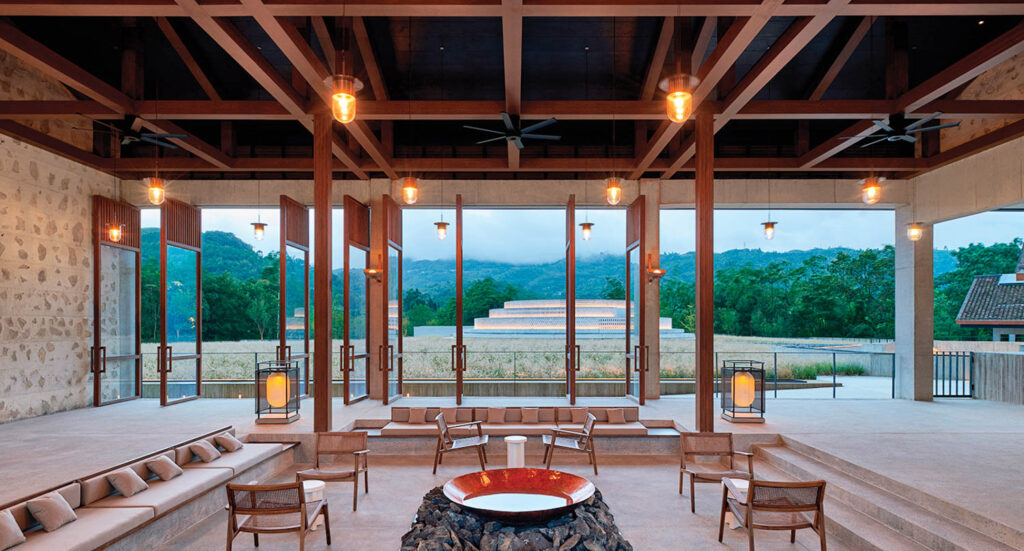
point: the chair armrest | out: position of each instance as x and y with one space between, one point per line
360 452
563 431
750 460
460 425
735 492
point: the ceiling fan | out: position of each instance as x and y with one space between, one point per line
899 131
130 131
516 136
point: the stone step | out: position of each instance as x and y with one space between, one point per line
843 524
889 508
948 511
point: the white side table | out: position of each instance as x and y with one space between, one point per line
742 485
314 490
516 449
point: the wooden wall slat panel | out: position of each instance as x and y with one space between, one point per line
113 212
295 222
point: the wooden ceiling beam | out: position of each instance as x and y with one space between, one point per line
193 145
512 52
323 35
52 64
850 43
654 70
490 8
373 72
187 58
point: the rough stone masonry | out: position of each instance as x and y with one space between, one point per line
443 525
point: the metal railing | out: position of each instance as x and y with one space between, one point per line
953 374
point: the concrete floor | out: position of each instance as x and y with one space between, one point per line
964 451
644 499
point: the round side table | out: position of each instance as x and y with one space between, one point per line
516 449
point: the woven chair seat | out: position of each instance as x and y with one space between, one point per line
563 442
773 519
326 474
714 471
283 522
468 442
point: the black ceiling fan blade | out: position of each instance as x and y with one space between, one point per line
916 130
165 136
483 129
519 142
922 122
541 137
883 125
858 137
882 139
907 138
508 122
538 126
159 143
488 140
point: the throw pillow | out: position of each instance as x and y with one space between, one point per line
51 510
204 451
495 416
127 482
450 414
228 442
579 415
531 416
417 416
616 416
10 532
163 467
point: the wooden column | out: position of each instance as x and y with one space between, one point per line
704 197
322 272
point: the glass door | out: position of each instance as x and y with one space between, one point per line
459 348
572 350
354 356
180 351
293 297
391 351
636 345
115 356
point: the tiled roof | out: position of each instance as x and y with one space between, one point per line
990 300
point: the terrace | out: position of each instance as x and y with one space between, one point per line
382 218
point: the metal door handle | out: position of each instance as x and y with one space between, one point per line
647 357
168 353
380 358
103 359
579 361
351 363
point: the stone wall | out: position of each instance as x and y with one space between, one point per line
20 82
46 262
1002 82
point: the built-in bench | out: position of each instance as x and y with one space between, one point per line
109 520
548 418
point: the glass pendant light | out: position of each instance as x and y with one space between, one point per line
343 96
915 231
410 190
442 229
678 90
585 229
871 190
769 225
259 227
613 190
155 190
114 233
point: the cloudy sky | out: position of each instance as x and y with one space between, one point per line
535 235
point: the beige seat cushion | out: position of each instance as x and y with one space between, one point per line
623 429
417 416
205 451
228 442
10 532
409 429
51 510
714 470
94 528
530 416
163 467
127 482
162 496
241 460
517 429
616 416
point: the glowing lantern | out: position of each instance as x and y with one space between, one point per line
155 190
769 230
743 389
343 97
585 228
613 191
743 392
277 385
679 96
258 228
114 233
871 190
915 231
277 390
410 190
442 230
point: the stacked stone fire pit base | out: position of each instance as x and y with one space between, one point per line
443 525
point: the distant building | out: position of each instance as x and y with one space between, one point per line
996 302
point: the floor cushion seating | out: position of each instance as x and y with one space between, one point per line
92 529
239 460
549 418
162 496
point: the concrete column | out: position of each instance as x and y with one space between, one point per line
914 310
651 189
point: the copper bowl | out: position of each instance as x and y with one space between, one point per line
519 496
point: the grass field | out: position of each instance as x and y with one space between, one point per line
430 357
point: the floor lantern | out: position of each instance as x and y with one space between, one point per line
277 391
743 391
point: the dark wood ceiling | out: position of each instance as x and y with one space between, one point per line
243 79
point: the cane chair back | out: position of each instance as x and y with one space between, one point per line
787 497
339 443
270 506
700 447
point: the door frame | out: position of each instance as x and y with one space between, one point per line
392 240
637 354
295 234
356 220
572 350
459 348
107 212
180 226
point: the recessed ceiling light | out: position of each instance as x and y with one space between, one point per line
981 21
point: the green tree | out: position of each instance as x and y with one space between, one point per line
951 287
613 289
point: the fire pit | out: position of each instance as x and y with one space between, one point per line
519 496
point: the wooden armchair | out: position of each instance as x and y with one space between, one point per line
582 441
775 506
709 457
446 443
340 443
273 509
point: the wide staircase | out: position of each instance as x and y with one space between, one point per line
868 511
